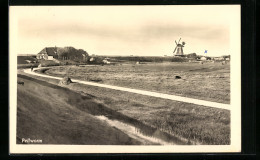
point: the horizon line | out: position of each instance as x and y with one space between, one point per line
22 54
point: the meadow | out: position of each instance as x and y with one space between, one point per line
208 81
193 124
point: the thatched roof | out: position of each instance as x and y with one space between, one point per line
63 51
50 51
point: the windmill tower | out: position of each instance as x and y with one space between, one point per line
179 48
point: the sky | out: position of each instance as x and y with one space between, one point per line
124 30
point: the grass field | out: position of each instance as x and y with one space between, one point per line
208 81
195 124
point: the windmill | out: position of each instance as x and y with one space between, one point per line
179 48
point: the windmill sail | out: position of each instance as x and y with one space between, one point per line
179 40
175 49
179 48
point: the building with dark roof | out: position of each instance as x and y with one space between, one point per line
48 53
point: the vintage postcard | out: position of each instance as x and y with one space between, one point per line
125 79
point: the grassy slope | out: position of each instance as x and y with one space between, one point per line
195 123
44 113
208 81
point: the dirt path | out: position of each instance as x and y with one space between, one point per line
143 92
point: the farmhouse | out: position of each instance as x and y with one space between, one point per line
106 61
48 53
92 59
203 58
218 58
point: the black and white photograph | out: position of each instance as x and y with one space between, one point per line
125 79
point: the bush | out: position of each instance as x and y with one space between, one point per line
192 55
179 59
65 81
